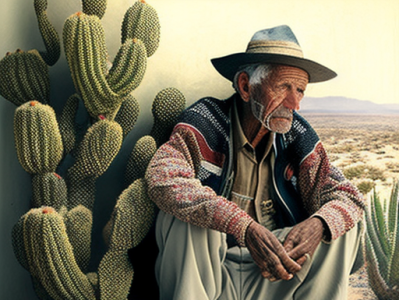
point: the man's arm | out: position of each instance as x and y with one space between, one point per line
328 195
175 188
335 204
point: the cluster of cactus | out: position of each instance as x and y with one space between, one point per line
382 245
53 239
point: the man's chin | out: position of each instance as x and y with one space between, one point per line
280 125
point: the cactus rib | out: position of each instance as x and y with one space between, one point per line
24 77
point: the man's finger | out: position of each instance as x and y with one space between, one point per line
289 263
281 273
301 260
298 251
288 245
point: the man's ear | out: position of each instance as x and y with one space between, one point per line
243 86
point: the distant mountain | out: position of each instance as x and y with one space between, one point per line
345 105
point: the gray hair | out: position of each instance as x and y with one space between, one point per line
255 72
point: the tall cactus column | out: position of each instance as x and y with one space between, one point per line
39 149
102 91
98 149
48 255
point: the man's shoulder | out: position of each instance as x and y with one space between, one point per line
208 108
212 103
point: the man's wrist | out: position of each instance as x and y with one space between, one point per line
326 229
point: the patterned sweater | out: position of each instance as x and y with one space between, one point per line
191 175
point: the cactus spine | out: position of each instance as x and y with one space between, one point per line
139 158
78 223
99 147
67 123
382 245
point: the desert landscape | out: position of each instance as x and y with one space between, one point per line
366 148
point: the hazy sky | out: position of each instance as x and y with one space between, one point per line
359 39
356 38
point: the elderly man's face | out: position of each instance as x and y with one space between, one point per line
274 101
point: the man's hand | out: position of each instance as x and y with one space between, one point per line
269 254
304 239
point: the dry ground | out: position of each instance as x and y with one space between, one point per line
366 149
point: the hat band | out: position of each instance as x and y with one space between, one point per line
275 47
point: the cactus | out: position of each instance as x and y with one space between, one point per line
24 76
167 106
128 114
49 255
139 158
49 189
382 245
94 7
78 223
53 240
99 147
141 22
131 220
101 90
37 138
48 32
67 125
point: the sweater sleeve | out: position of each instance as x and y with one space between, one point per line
329 195
174 186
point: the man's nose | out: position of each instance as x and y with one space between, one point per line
292 100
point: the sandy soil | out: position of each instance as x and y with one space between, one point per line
368 141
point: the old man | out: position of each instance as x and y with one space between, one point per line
251 207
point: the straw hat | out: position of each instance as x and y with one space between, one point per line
277 45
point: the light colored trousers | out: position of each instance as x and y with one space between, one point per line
195 264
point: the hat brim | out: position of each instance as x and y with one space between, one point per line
228 65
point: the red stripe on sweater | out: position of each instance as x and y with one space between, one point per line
207 153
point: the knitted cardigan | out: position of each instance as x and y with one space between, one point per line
191 175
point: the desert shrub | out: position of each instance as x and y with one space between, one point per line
375 173
363 171
346 148
393 167
353 172
365 186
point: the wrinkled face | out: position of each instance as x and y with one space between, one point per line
274 101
